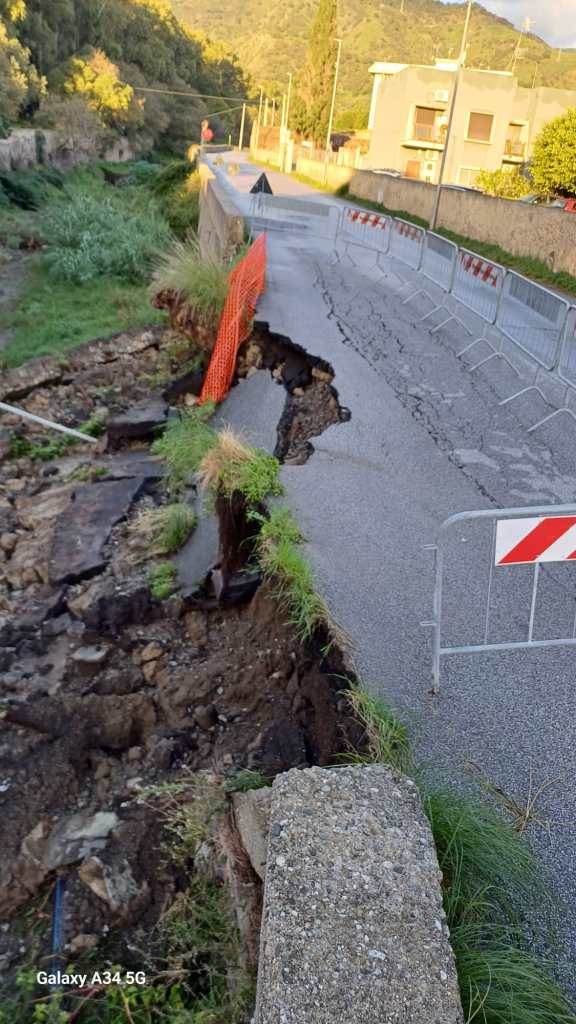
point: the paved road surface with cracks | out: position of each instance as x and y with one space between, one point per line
427 438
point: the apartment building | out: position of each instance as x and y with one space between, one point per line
495 120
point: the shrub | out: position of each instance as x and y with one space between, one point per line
181 206
94 237
172 176
506 184
201 284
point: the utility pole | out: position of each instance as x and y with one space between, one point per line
266 113
526 25
242 123
333 104
461 60
289 97
259 118
273 111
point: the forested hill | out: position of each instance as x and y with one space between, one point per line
270 38
99 55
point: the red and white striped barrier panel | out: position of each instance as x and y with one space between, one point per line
535 539
487 272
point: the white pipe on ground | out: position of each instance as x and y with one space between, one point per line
47 423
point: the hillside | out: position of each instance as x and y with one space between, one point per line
270 39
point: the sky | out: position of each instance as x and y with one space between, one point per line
552 20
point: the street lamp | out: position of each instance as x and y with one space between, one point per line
461 60
259 117
289 97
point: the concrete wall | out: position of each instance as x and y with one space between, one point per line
221 226
544 233
333 176
416 197
28 147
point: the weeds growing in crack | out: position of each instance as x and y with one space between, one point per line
292 578
490 877
167 527
523 812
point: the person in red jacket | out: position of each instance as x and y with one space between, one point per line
206 134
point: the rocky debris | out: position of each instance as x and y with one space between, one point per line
71 840
140 422
83 529
129 464
352 856
252 819
115 885
37 373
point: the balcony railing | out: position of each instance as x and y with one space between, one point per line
514 148
428 133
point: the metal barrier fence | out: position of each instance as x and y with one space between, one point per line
535 320
367 230
493 602
406 242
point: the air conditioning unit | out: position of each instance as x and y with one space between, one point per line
441 95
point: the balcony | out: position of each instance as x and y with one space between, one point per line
425 136
514 151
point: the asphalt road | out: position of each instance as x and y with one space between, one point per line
427 438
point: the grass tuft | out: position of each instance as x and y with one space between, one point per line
246 779
292 578
162 580
201 283
232 465
183 445
168 527
386 736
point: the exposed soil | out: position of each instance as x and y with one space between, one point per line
107 691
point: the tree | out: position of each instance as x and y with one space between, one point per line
97 78
312 107
20 84
553 165
506 184
79 126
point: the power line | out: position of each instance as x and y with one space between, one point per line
194 95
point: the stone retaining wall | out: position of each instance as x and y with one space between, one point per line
28 147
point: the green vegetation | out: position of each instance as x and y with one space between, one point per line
55 316
93 236
245 779
526 265
45 451
201 283
386 736
177 189
506 184
162 580
168 527
553 165
490 877
183 445
291 576
311 109
83 66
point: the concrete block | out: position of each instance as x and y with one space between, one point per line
353 927
252 817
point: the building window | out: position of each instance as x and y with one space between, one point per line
468 175
428 124
480 127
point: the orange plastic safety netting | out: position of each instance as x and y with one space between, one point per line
246 284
